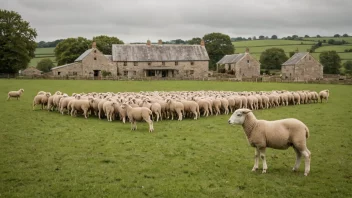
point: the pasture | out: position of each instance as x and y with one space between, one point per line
41 53
46 154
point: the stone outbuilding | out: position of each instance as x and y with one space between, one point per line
136 60
302 66
242 65
31 71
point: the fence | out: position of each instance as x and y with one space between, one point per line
271 79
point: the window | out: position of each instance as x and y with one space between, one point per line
163 63
176 63
58 73
134 73
229 67
247 61
191 72
95 51
149 63
125 73
125 63
135 63
95 58
75 73
151 73
192 63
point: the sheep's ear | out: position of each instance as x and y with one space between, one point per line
245 111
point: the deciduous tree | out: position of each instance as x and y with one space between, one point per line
273 58
45 65
217 45
68 50
331 62
17 43
194 41
104 43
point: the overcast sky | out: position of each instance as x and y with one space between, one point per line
139 20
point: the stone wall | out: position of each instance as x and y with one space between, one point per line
97 61
74 69
306 69
196 69
30 71
247 67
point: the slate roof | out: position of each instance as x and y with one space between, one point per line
295 58
133 52
81 57
61 66
233 58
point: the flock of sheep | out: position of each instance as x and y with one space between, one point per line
155 106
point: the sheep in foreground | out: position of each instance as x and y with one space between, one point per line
138 114
278 134
324 94
15 94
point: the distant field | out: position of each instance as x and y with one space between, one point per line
41 53
269 42
348 39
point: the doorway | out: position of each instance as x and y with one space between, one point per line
164 73
96 73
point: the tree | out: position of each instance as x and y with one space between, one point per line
261 37
318 36
104 43
194 41
45 65
17 43
217 45
348 67
250 38
331 62
274 37
291 53
68 50
336 35
345 35
254 38
306 36
273 58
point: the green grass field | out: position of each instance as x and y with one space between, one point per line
41 53
256 47
46 154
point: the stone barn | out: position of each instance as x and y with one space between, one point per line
89 64
243 65
302 66
146 60
31 71
161 60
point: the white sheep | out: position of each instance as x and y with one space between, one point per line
15 94
324 94
278 134
138 114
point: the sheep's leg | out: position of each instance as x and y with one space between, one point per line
256 160
195 115
179 115
8 97
298 159
262 155
135 125
150 122
85 112
132 128
307 156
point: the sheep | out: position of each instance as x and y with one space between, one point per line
176 107
278 134
191 107
138 114
41 99
324 94
15 94
83 105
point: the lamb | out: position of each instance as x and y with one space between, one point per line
324 94
278 134
15 94
138 114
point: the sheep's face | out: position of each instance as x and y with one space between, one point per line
238 116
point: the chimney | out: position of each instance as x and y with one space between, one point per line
148 42
160 42
94 44
247 50
202 43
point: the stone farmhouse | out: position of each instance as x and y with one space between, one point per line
243 65
302 66
140 60
31 71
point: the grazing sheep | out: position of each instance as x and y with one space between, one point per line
278 134
324 94
41 99
15 94
138 114
80 105
175 107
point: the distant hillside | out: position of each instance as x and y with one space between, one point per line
256 47
41 53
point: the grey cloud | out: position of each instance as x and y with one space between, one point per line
139 20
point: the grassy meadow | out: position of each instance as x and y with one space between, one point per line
46 154
41 53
